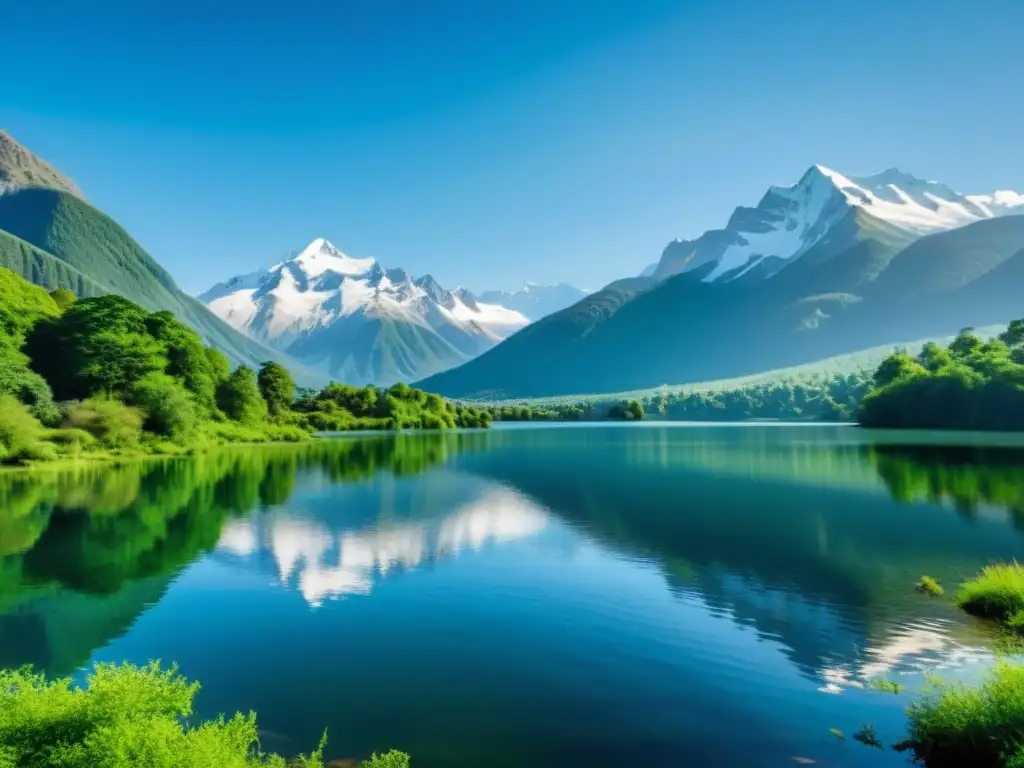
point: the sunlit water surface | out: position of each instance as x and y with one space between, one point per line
542 596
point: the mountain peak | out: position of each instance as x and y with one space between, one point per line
322 256
790 220
19 168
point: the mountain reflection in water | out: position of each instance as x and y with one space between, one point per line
656 586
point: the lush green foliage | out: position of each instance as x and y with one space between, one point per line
129 717
819 397
239 397
996 593
137 380
983 726
18 428
339 407
277 387
111 422
971 384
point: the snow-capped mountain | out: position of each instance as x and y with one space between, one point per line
360 322
791 220
536 301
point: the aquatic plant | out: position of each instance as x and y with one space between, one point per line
996 593
980 726
867 736
930 586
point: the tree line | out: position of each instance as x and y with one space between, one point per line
103 373
969 384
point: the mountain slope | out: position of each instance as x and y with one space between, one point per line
360 322
54 238
20 169
864 282
536 301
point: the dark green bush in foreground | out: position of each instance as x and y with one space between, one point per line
130 717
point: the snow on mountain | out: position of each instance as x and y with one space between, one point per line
535 301
790 220
360 321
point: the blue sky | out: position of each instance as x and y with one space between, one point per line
490 142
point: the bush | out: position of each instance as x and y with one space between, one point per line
170 411
110 421
124 717
70 437
996 593
239 397
18 428
983 726
34 452
392 759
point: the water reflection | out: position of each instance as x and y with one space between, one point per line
324 560
624 562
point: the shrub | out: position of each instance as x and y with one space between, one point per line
34 452
983 726
70 437
18 428
124 717
110 421
170 410
996 593
239 397
392 759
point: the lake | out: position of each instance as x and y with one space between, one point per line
542 595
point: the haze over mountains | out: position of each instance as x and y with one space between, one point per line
363 323
829 265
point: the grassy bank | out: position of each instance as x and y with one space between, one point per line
997 593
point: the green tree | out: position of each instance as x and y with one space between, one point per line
99 345
635 410
187 359
170 410
18 428
239 397
277 387
220 366
965 344
110 421
63 298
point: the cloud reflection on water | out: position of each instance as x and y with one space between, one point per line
327 564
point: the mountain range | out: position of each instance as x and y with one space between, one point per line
828 265
363 323
52 236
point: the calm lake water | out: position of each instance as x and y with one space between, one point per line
543 596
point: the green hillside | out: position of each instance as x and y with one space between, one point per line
51 236
683 330
43 268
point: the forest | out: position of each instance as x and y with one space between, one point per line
969 384
103 375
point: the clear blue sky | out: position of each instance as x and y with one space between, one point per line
491 142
